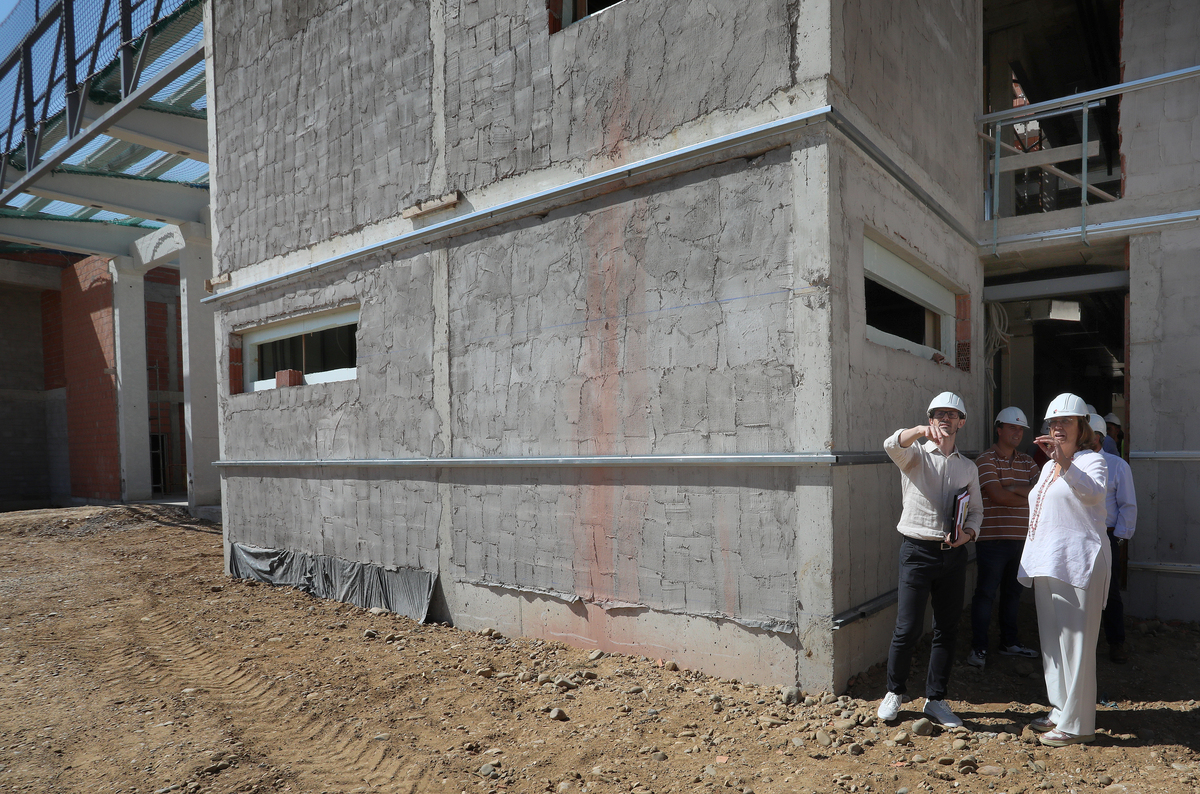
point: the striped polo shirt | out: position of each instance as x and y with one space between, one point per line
1001 522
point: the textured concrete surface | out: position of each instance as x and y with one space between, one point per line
325 121
518 98
1164 335
912 69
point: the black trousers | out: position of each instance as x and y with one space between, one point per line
1114 612
927 572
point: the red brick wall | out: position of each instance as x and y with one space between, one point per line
53 375
87 324
166 417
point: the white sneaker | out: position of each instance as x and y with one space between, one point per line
977 659
889 707
939 712
1019 650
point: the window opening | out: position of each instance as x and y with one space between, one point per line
320 347
895 314
311 353
566 12
905 308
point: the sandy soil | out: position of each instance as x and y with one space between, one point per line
129 663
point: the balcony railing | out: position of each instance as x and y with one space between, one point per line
1059 154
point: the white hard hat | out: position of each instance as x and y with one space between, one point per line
948 399
1114 419
1091 409
1012 415
1097 423
1067 405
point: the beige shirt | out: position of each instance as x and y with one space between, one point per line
929 483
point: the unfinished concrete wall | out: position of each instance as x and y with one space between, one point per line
1164 335
913 70
519 98
387 412
1160 144
878 389
325 120
675 317
24 472
1159 140
657 321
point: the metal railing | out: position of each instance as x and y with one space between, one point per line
1058 154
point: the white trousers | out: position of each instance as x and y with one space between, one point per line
1068 627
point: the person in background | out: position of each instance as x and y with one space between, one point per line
933 563
1006 476
1120 507
1113 434
1067 561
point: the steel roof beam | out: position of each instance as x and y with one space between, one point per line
166 132
135 100
166 202
105 239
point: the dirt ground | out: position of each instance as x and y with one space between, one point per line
130 663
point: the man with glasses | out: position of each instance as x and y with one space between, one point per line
933 561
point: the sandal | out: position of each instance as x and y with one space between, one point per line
1057 738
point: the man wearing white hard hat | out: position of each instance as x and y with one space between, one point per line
1112 434
1120 507
933 559
1067 562
1006 476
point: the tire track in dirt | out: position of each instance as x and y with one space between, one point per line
320 748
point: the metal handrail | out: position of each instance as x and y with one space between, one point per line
1089 96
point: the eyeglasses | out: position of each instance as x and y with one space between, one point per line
1065 421
951 414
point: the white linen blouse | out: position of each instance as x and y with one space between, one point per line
1067 534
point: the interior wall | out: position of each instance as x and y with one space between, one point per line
24 465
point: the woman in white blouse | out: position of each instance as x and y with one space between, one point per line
1067 562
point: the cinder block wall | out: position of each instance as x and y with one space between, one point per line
87 321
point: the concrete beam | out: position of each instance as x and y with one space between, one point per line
28 274
133 407
166 202
166 245
1057 287
82 237
167 132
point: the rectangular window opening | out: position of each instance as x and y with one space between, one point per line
906 308
322 348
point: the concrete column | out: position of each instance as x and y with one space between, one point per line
199 375
133 410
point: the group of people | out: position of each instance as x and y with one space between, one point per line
1056 528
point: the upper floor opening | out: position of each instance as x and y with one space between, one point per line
1063 157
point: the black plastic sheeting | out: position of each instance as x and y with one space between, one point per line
405 591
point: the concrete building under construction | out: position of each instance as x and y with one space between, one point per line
586 320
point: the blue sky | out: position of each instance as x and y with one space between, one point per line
5 7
